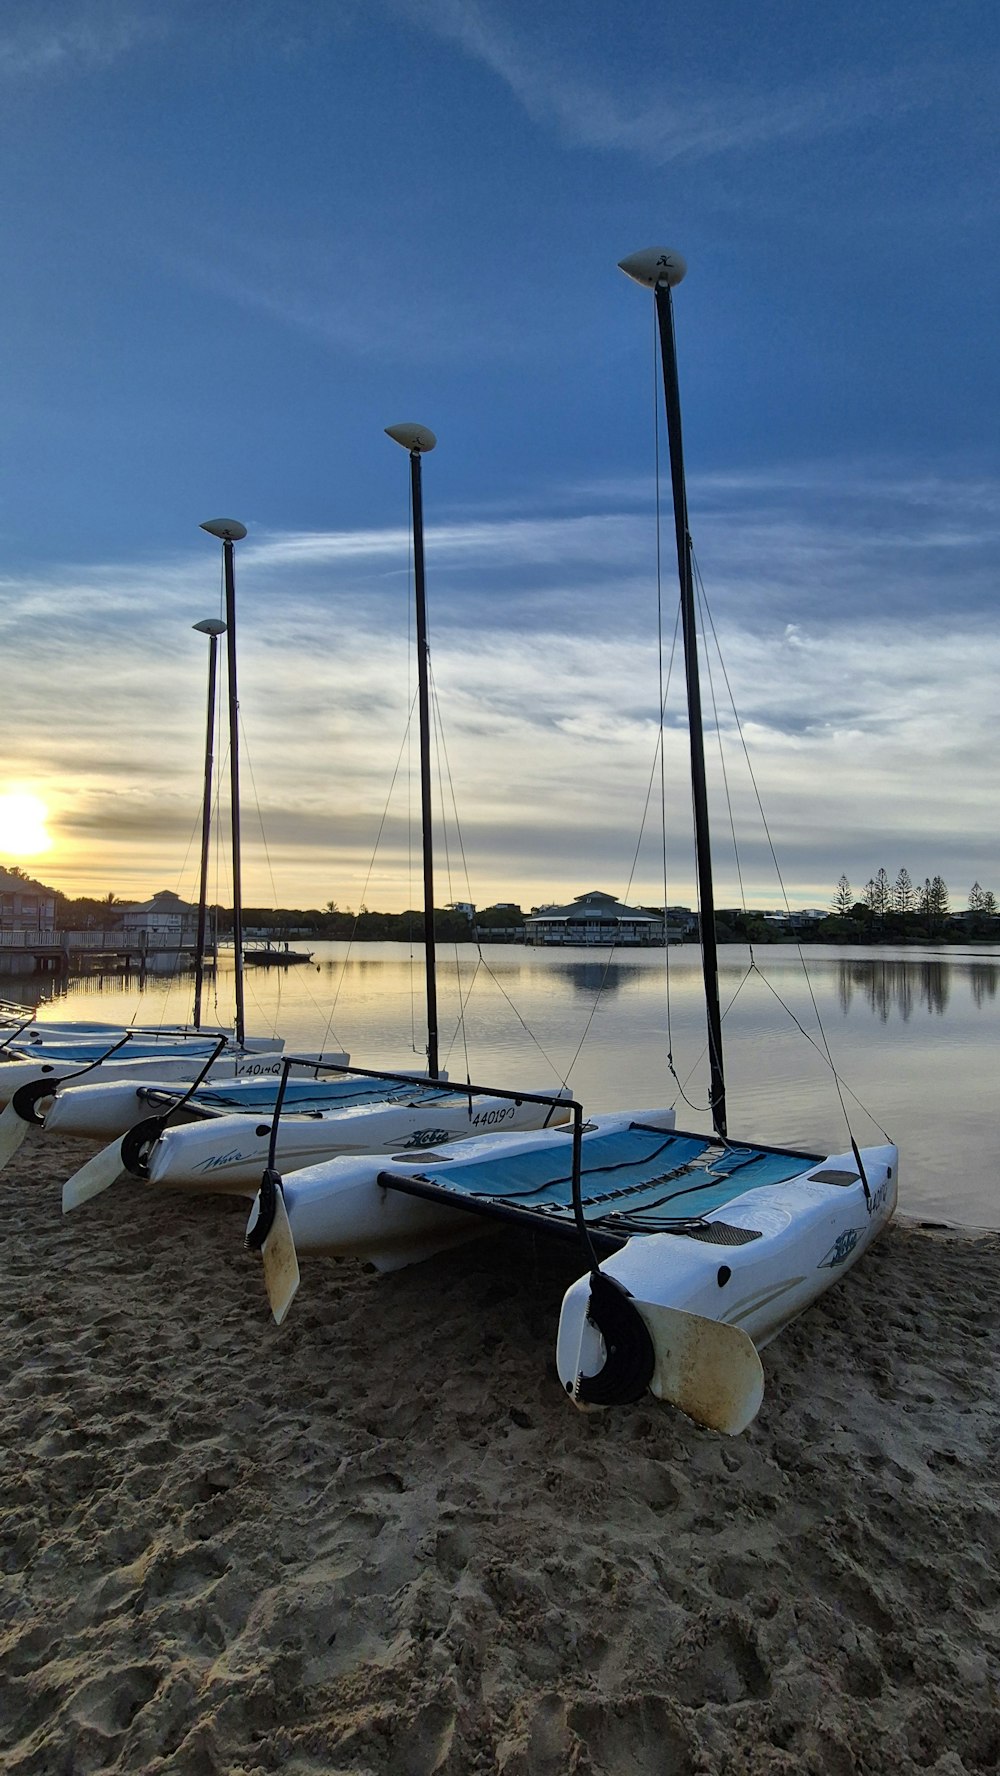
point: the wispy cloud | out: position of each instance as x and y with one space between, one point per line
52 41
669 120
335 292
825 542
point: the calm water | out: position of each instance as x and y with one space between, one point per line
915 1034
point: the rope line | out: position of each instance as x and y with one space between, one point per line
825 1050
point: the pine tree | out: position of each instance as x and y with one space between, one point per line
924 899
903 893
934 902
881 895
975 898
843 900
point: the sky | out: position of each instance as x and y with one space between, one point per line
241 239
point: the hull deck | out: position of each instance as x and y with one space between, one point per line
303 1097
640 1180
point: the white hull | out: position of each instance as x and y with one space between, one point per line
230 1153
46 1035
341 1210
810 1231
690 1305
109 1108
168 1068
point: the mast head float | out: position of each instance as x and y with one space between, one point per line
229 529
417 438
653 266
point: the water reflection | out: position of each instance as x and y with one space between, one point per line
334 966
595 977
983 980
120 984
587 978
900 987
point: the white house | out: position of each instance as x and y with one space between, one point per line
593 918
164 923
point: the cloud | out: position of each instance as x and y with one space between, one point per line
47 42
829 542
336 290
671 120
863 674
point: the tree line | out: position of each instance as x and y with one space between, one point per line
331 921
884 911
904 903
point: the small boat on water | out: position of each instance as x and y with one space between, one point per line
266 953
699 1247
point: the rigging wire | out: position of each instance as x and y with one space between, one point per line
614 946
702 602
371 866
267 858
664 675
658 753
707 625
822 1047
464 994
481 962
439 749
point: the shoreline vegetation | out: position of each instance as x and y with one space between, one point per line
507 925
894 913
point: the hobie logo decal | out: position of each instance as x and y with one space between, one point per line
215 1160
841 1249
426 1138
879 1197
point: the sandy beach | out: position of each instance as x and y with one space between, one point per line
380 1540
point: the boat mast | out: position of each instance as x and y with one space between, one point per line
231 531
661 270
213 627
418 440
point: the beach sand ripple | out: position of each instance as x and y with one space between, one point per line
378 1542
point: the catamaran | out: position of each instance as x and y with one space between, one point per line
35 1061
200 1142
699 1248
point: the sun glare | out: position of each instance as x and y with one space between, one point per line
22 826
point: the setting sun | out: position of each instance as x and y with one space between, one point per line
22 825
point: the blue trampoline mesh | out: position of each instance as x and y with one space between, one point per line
139 1050
322 1094
632 1172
